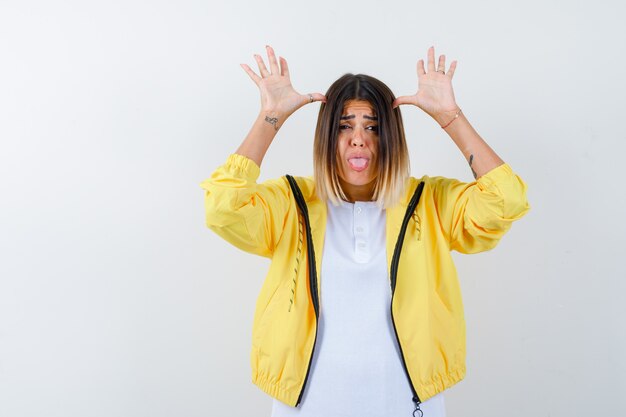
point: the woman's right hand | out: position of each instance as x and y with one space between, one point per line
277 94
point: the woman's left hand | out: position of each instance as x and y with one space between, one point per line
434 88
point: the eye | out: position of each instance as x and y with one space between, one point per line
342 127
374 128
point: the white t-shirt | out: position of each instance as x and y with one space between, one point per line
356 370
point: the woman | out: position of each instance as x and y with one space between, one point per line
380 330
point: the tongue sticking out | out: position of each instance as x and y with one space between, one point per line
358 164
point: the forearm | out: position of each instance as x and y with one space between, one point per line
261 135
477 153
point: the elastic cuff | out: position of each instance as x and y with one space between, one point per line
242 166
496 175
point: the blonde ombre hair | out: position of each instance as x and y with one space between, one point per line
393 155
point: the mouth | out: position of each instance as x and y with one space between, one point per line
358 164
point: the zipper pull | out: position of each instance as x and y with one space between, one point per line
417 408
418 225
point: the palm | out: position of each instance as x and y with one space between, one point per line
277 93
434 93
434 88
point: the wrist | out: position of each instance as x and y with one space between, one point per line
447 117
272 118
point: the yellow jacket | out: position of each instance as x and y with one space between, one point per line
426 304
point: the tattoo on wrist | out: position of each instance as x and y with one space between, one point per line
273 121
471 160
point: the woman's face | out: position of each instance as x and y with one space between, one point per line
357 149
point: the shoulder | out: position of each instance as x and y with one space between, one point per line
306 185
433 189
436 182
413 183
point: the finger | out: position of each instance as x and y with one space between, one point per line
262 69
403 100
420 67
319 97
284 68
315 96
271 56
452 68
441 66
431 59
251 74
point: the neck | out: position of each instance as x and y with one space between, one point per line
354 193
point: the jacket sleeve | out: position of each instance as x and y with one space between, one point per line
474 216
248 215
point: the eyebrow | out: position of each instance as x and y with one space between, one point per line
352 116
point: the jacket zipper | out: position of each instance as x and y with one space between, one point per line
393 275
394 272
312 269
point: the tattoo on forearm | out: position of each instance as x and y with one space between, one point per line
272 121
471 160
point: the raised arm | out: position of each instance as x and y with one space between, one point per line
278 101
248 214
436 97
474 216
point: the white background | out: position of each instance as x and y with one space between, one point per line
115 300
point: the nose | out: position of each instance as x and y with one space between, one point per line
357 138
